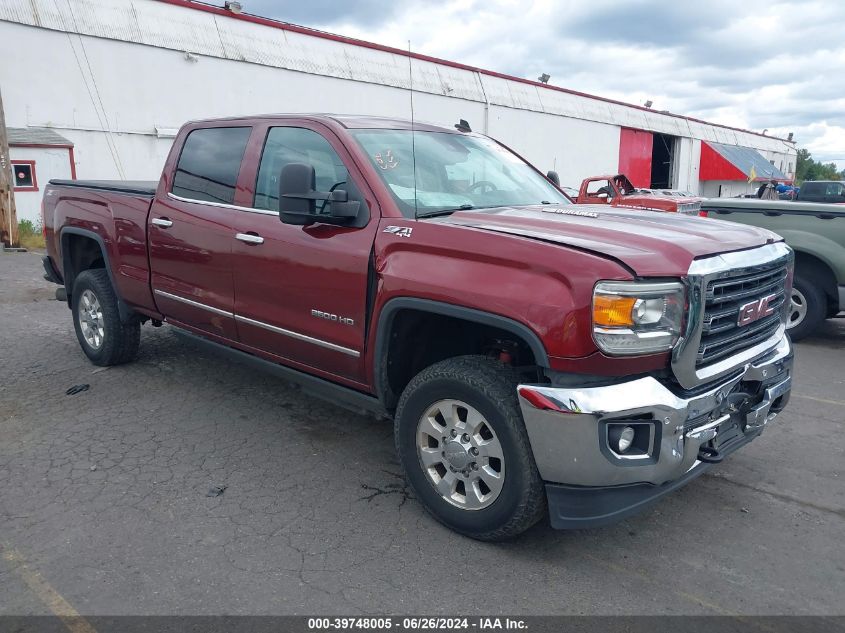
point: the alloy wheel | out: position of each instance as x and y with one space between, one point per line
91 319
460 454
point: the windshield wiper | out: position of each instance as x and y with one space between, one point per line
432 214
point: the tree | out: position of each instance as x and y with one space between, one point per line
808 169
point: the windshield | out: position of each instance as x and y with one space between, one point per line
453 171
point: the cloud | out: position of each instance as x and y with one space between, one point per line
322 12
755 64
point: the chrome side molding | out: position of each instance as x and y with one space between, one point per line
271 328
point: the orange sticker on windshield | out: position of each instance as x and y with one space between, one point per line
386 160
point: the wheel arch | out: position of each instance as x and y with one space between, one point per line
822 271
74 262
401 314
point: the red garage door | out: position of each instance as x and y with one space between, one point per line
635 148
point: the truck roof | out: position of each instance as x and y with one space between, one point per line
344 120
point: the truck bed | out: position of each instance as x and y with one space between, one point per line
111 214
724 206
135 187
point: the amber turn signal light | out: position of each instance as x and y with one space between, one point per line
613 310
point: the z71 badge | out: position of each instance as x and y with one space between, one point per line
399 231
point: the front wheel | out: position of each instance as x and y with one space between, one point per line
96 318
807 310
466 454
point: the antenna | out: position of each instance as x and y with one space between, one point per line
413 131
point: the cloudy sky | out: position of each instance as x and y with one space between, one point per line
752 64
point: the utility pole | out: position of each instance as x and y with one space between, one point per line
8 213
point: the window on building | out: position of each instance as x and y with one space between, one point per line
24 175
209 164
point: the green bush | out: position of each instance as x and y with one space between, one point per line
30 236
27 228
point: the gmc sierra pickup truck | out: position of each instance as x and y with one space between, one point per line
534 355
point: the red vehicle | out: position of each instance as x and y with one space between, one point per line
536 356
618 191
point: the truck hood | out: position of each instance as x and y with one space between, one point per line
650 243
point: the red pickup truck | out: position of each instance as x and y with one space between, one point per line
536 356
618 191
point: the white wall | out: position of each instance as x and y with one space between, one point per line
575 149
106 73
686 164
49 163
729 188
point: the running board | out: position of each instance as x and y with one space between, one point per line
333 393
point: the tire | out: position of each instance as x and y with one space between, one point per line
809 308
96 319
477 386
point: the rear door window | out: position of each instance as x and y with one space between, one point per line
599 188
835 189
209 164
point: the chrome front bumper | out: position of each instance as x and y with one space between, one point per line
565 425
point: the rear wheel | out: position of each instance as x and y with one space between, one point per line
465 451
96 319
808 309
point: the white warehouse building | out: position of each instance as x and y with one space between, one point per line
111 81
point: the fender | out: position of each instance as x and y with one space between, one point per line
126 313
388 313
819 246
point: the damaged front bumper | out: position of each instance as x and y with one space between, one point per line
677 436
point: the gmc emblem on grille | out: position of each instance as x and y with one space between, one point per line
754 310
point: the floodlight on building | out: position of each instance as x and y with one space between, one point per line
648 103
233 6
544 78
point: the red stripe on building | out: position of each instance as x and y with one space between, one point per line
715 167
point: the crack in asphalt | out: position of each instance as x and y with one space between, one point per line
840 512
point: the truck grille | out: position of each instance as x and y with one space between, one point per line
721 335
689 208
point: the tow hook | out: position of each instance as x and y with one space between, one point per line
709 455
738 401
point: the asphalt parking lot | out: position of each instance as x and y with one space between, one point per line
104 504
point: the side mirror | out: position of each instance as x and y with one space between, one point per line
298 199
339 205
296 182
554 177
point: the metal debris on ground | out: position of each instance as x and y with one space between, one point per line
77 389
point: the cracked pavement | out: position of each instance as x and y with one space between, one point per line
105 494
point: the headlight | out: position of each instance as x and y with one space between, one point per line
631 317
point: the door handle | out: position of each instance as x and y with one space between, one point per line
162 222
249 238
